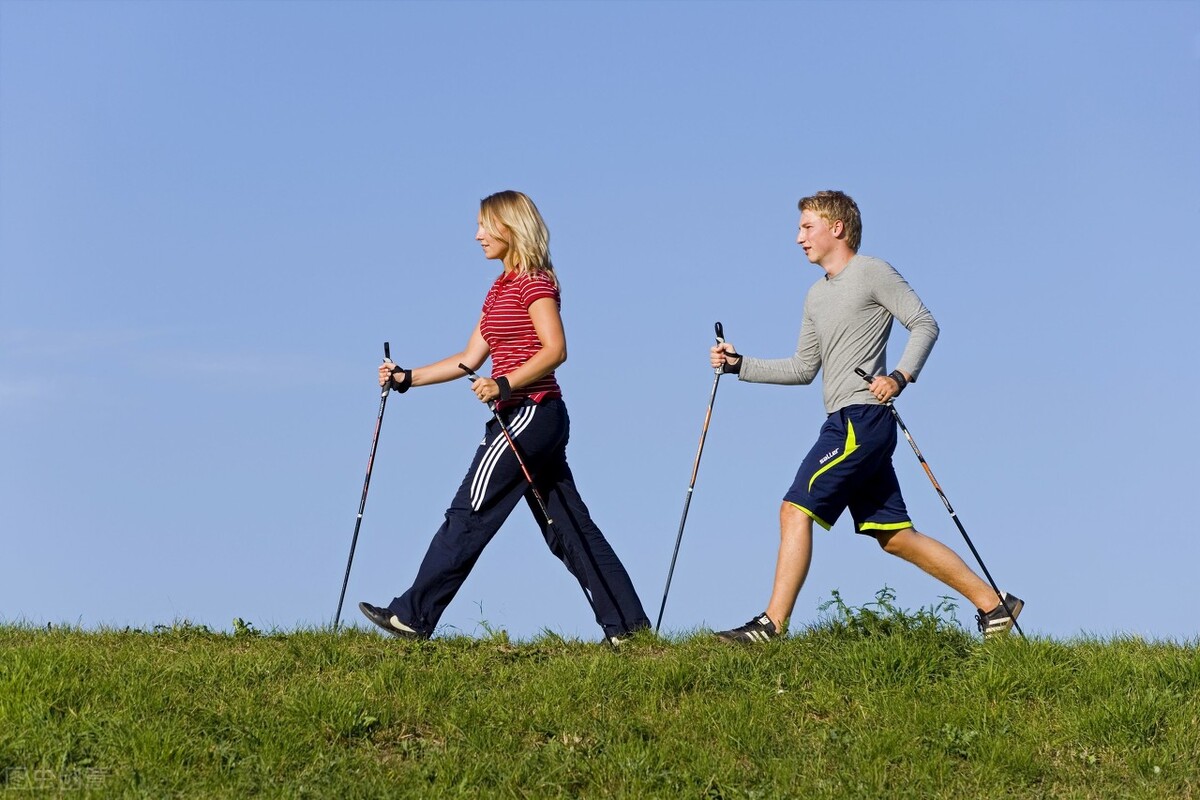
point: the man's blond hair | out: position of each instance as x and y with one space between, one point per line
832 206
513 218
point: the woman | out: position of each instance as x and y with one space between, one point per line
521 330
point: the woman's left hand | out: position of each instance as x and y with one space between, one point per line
486 390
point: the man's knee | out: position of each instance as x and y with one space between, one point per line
793 518
897 542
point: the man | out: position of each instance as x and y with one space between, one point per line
848 315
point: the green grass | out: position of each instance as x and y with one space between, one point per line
872 702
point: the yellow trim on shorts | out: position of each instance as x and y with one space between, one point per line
850 446
885 526
815 518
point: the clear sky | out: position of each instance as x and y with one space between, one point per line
213 214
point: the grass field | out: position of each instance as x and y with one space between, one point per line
872 702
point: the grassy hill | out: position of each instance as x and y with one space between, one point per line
872 702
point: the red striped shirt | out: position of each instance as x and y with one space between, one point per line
509 332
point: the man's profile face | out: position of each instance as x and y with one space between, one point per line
817 236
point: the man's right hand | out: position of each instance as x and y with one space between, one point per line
724 357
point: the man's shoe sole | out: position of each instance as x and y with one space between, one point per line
744 638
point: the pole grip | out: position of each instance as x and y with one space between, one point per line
720 331
387 351
863 374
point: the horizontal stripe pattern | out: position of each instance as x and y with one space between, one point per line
509 332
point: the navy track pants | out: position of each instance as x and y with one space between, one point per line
492 488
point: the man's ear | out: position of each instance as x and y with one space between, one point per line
838 229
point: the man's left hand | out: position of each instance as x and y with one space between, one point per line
885 388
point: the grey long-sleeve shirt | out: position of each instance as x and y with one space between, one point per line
847 320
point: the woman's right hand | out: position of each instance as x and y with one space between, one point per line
385 373
719 355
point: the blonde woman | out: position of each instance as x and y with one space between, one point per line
520 328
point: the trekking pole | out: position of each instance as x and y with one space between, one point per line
945 501
691 484
383 396
512 444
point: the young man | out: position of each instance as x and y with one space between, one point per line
848 315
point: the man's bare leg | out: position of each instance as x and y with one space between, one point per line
795 556
941 562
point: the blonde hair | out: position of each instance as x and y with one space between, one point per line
832 206
513 218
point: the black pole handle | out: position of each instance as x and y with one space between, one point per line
863 374
720 330
470 372
387 358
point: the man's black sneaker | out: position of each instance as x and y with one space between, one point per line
999 620
760 629
389 622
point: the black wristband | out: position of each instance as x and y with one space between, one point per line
733 369
900 380
401 385
505 389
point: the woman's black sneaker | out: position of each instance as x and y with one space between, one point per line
389 622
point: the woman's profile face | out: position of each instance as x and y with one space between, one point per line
494 247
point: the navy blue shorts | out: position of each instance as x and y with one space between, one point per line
850 466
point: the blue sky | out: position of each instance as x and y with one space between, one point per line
213 214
